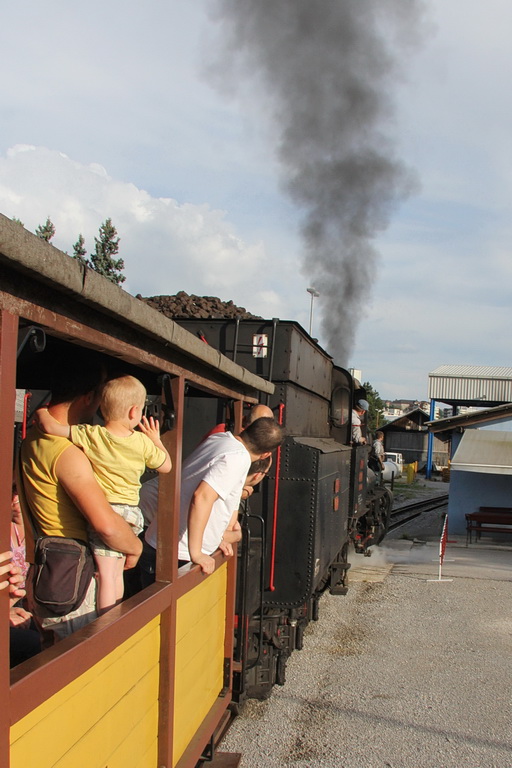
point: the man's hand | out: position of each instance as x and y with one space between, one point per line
132 560
247 491
19 617
206 562
233 533
226 548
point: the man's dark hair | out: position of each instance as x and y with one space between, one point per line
80 371
263 435
260 465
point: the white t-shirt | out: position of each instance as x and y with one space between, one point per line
357 433
223 462
148 502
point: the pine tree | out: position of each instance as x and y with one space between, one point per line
46 231
374 418
107 246
17 221
79 251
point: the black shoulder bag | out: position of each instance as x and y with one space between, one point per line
63 569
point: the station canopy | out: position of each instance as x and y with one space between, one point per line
471 385
484 450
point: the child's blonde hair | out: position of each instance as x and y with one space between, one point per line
119 395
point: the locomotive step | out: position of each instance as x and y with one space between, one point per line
338 590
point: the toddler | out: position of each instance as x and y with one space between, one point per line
119 455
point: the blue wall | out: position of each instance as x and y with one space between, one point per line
470 490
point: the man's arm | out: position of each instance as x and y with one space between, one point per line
232 534
199 512
74 472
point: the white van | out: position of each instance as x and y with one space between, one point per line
393 466
397 458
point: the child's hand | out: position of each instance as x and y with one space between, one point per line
150 427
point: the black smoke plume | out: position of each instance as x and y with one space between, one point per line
329 68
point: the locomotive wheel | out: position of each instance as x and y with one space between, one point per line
385 503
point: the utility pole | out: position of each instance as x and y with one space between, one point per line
314 295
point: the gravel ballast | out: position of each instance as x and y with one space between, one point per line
403 672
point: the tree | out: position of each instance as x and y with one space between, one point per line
17 221
375 419
107 246
46 231
79 251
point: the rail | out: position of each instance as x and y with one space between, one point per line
409 512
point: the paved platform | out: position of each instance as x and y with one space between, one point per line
403 672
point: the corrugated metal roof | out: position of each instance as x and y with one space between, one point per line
499 413
473 371
470 384
484 451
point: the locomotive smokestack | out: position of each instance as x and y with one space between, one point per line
328 67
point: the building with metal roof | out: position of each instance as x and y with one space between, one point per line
467 385
407 434
481 461
470 385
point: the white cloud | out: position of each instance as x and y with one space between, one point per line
166 246
130 130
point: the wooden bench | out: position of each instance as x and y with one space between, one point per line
488 520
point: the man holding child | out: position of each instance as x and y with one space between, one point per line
60 492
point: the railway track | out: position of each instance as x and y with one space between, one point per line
408 512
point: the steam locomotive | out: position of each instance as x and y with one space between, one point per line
319 497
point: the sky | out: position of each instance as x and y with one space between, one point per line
252 151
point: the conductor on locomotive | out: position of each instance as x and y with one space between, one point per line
358 412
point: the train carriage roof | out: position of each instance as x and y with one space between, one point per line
24 254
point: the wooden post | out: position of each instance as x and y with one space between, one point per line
8 350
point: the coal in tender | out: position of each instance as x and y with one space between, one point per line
183 305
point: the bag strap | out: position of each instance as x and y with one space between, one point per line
32 531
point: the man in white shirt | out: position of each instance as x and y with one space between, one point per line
212 481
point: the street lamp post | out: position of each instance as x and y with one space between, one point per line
314 295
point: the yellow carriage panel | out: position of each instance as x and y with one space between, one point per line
106 717
199 666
